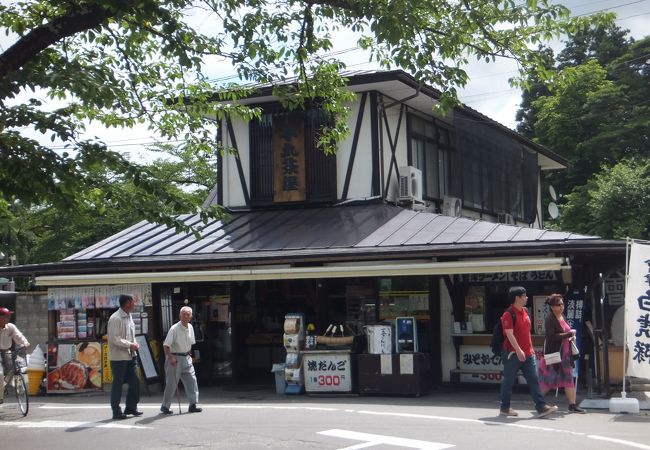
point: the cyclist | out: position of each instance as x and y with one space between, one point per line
9 334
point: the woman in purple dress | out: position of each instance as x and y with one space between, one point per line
558 339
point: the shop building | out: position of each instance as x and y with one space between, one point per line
417 216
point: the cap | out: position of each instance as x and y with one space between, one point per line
5 312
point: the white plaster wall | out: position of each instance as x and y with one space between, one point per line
361 179
233 195
401 153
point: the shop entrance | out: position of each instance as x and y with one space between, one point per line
211 320
259 311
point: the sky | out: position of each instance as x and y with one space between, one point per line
487 91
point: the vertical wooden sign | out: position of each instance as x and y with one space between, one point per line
289 159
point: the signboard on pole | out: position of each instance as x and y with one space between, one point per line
573 312
637 311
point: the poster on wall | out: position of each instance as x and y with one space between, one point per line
475 308
540 311
74 367
96 296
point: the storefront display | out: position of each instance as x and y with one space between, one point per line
74 367
475 308
77 359
295 330
485 296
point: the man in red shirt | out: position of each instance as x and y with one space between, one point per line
518 353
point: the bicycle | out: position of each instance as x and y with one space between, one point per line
15 378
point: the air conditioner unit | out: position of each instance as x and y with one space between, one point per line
452 206
505 218
410 183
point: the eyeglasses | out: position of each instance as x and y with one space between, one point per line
559 304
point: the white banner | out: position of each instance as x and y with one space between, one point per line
637 311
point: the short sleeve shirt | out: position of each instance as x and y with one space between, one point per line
521 330
180 338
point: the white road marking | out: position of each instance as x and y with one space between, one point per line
54 406
69 424
475 421
619 441
378 439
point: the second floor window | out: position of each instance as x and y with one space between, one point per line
497 173
431 152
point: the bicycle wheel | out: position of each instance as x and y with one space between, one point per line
21 393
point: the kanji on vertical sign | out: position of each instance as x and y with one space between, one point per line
289 158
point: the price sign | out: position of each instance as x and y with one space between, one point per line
327 372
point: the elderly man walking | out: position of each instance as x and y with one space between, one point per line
178 364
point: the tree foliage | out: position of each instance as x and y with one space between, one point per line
595 112
123 62
50 233
615 203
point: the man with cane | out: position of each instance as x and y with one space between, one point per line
178 364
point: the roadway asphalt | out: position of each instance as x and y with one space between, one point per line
469 396
251 417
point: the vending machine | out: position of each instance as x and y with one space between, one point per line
294 342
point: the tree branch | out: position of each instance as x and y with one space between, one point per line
40 38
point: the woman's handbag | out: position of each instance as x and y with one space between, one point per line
574 350
552 358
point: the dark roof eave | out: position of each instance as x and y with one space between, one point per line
185 262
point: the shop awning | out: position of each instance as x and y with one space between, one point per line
286 272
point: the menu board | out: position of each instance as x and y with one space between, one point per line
149 370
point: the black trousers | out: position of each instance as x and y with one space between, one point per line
124 372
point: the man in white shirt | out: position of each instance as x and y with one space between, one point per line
178 364
9 335
122 348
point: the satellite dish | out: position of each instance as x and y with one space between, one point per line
553 211
551 190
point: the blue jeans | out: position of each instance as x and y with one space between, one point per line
124 372
529 370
